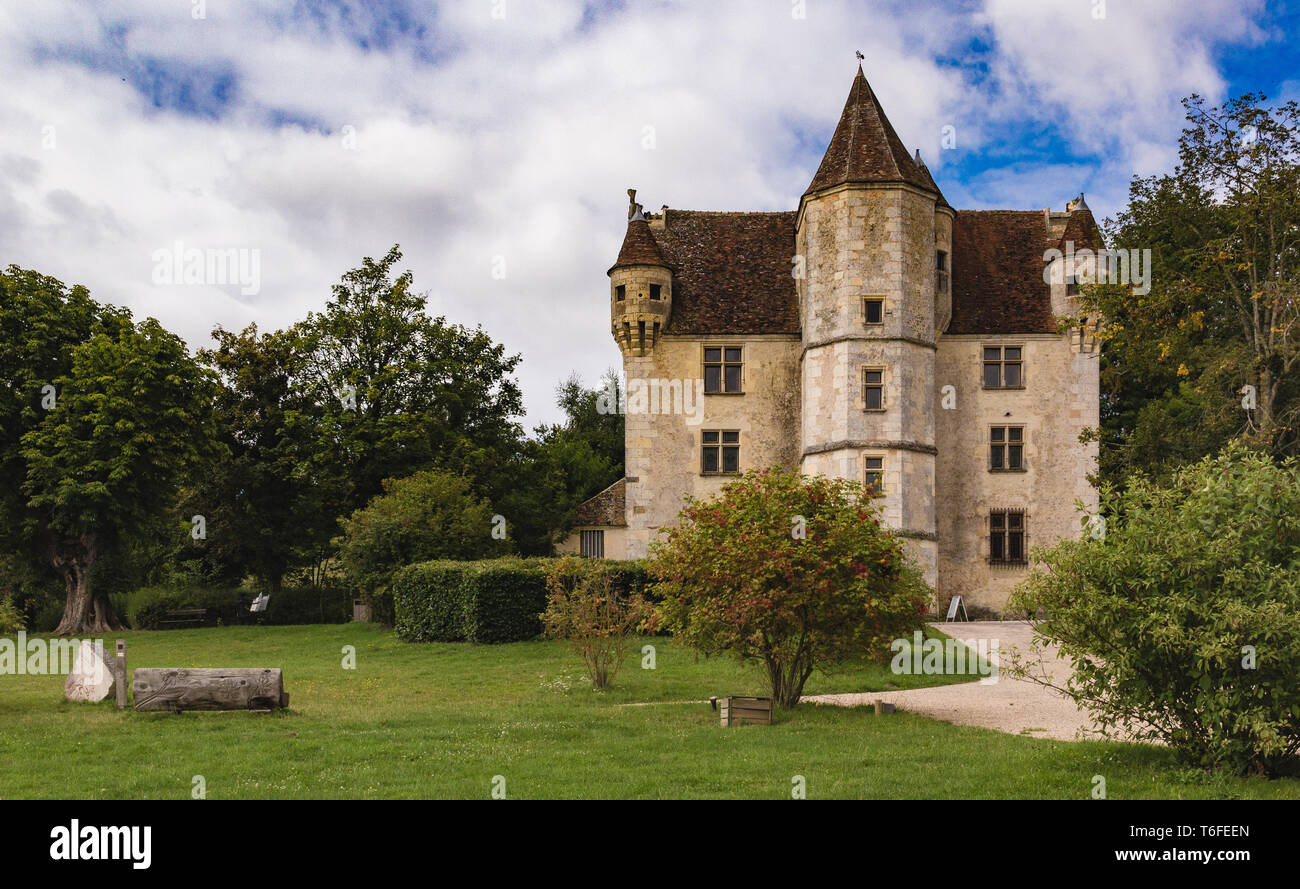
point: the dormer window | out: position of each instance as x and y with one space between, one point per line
655 291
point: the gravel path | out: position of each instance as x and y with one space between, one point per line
1015 706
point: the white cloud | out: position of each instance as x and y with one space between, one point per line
522 137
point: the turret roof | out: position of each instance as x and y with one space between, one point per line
865 147
639 247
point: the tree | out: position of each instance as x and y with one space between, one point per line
429 515
264 513
395 391
1223 312
795 572
1182 619
131 417
564 464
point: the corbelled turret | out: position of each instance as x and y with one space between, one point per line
641 287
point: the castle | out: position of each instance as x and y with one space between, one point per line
873 333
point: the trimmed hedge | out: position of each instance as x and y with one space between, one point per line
488 601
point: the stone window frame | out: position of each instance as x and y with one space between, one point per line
1002 363
873 298
719 445
656 292
868 470
722 363
620 293
1005 446
863 370
942 272
591 543
1005 530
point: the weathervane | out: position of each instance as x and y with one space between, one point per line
859 54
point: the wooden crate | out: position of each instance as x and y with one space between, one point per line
737 710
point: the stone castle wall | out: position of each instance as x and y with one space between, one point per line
663 449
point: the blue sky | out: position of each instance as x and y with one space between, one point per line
495 139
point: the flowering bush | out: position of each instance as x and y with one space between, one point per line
793 571
588 611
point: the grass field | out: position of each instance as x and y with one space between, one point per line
441 720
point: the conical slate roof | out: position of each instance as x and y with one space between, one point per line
639 247
865 147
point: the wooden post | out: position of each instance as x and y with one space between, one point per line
121 674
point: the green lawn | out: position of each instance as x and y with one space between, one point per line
441 720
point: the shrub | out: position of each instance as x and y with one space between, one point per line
792 571
425 516
1182 620
495 600
11 619
586 610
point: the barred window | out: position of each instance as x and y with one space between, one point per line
1007 531
592 544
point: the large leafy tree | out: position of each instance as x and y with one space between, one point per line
99 455
262 512
794 572
1223 312
393 391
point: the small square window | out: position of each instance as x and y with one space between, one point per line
873 310
620 292
655 291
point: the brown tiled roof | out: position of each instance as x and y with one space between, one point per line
997 272
606 508
639 246
732 271
865 147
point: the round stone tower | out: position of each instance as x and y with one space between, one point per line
640 288
866 233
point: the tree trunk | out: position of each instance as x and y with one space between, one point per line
83 612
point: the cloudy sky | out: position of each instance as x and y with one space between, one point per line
495 139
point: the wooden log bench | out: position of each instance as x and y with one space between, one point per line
184 617
173 690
